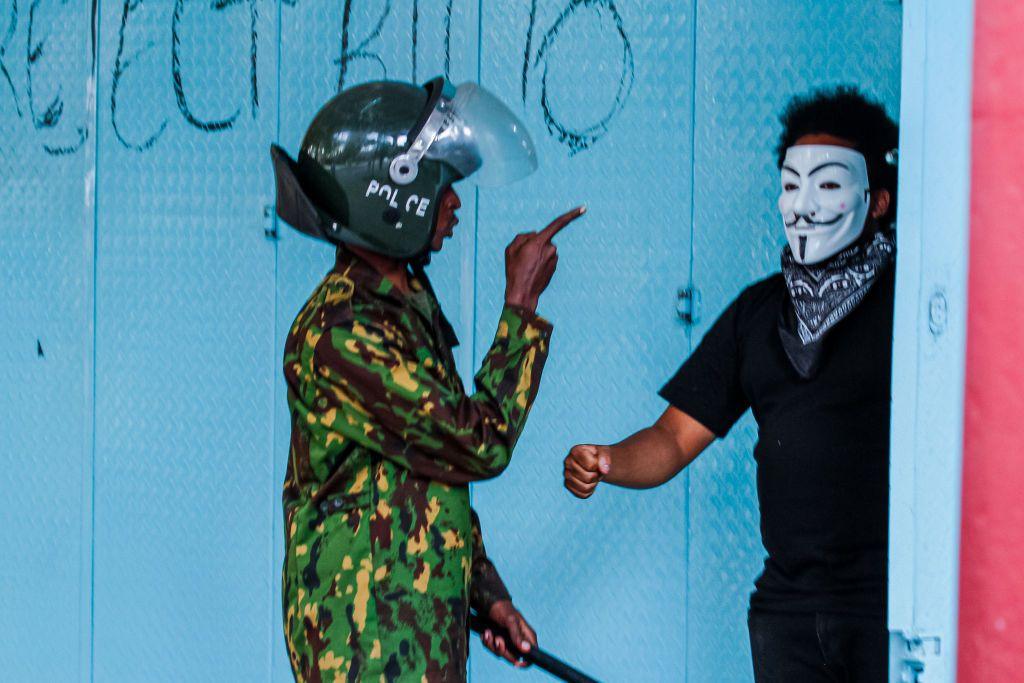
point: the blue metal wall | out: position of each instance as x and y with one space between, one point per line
185 351
146 300
751 57
46 318
608 91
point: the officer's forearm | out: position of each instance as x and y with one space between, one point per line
507 385
485 584
422 420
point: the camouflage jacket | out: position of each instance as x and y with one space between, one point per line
383 553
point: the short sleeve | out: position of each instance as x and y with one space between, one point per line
707 387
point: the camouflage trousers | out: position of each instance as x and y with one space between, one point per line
362 604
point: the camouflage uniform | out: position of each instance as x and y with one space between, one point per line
383 553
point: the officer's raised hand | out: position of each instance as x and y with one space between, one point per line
530 261
585 467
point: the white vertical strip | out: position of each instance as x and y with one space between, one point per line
930 333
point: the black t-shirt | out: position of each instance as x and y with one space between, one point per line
823 444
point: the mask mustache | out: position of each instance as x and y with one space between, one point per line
810 221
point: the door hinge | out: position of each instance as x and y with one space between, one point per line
269 222
915 655
688 305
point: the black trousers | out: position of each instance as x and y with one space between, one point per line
818 648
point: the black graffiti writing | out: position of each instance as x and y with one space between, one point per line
43 104
178 79
124 60
579 139
576 137
528 52
360 52
51 116
12 25
122 63
448 39
45 48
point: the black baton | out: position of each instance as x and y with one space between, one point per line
554 666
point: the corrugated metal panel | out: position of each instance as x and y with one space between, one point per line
192 305
46 141
606 90
751 58
184 318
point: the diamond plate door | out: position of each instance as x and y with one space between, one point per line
605 88
184 488
325 46
751 58
46 238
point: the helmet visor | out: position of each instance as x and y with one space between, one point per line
483 140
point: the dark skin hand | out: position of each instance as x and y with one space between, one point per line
530 259
646 459
506 615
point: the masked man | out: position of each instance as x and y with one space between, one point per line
808 351
384 556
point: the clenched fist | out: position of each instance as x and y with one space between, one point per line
585 467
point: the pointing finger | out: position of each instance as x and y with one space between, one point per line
556 226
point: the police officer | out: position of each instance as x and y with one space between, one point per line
808 350
384 556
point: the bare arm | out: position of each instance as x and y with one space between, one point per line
648 458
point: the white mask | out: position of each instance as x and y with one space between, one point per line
825 200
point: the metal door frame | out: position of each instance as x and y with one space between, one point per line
929 339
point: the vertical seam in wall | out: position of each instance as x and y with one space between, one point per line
274 651
91 391
693 139
476 190
921 304
476 248
687 617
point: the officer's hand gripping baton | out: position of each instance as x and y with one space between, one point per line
536 656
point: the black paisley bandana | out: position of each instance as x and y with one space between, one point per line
822 294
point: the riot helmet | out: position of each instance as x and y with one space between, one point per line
377 157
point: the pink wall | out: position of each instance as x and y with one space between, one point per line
992 545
